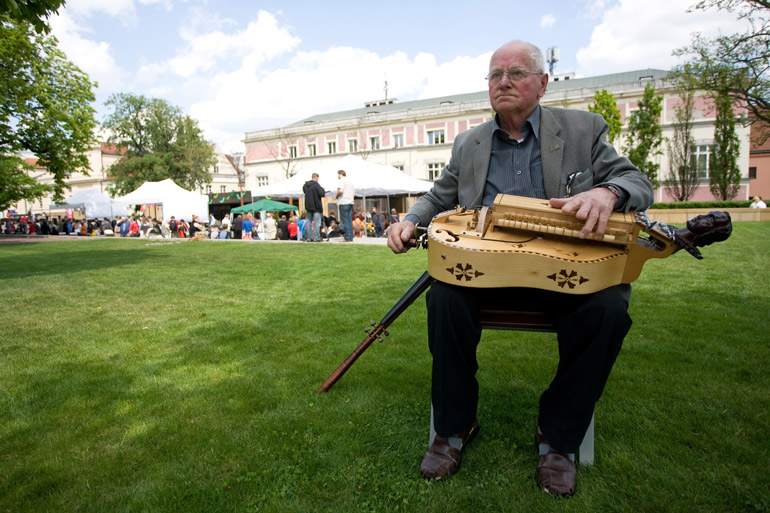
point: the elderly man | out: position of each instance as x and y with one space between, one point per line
540 152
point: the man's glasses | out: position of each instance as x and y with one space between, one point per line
513 74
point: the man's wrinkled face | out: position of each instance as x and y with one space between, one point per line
507 96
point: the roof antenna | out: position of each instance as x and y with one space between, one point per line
386 87
552 56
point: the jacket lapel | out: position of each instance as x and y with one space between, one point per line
552 152
481 155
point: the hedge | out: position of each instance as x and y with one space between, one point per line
702 204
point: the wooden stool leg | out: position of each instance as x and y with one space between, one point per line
432 428
586 450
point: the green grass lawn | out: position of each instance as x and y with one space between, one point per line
182 377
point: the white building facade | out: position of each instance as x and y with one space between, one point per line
226 177
100 157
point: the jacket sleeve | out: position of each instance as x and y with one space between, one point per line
610 168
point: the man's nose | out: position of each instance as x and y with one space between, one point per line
505 79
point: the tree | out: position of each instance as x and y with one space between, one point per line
285 151
25 11
606 106
160 143
740 63
683 170
364 143
645 135
724 174
45 110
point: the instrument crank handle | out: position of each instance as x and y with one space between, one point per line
421 241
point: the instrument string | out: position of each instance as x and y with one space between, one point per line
513 241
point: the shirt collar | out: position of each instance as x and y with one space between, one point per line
533 120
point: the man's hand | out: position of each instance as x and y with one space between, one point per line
398 234
594 207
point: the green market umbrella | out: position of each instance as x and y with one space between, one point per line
264 205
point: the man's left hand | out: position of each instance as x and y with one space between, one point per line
594 207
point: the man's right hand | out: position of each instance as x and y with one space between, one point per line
399 234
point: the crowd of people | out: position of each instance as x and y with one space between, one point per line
290 226
29 225
282 226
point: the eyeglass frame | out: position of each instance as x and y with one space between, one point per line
522 73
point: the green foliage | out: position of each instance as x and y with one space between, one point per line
724 174
716 205
739 64
31 11
16 183
134 383
645 134
606 106
682 172
45 110
161 143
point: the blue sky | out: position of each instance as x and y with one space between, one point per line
238 65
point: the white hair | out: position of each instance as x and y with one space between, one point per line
533 53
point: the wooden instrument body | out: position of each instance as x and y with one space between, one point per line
524 242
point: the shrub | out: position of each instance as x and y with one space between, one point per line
702 204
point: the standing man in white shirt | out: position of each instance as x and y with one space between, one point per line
345 198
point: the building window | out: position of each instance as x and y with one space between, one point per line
398 140
352 145
292 152
701 158
261 181
208 189
331 147
222 188
311 150
374 143
434 170
753 173
216 170
436 137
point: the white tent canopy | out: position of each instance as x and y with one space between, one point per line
368 179
176 201
95 204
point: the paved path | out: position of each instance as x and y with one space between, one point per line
379 241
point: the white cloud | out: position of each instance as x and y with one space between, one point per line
461 75
114 8
167 4
252 98
93 57
636 36
149 72
595 8
547 21
261 40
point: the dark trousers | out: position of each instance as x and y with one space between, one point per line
590 331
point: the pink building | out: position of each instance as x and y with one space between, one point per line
416 136
759 168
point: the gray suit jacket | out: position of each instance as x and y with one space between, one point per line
571 142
